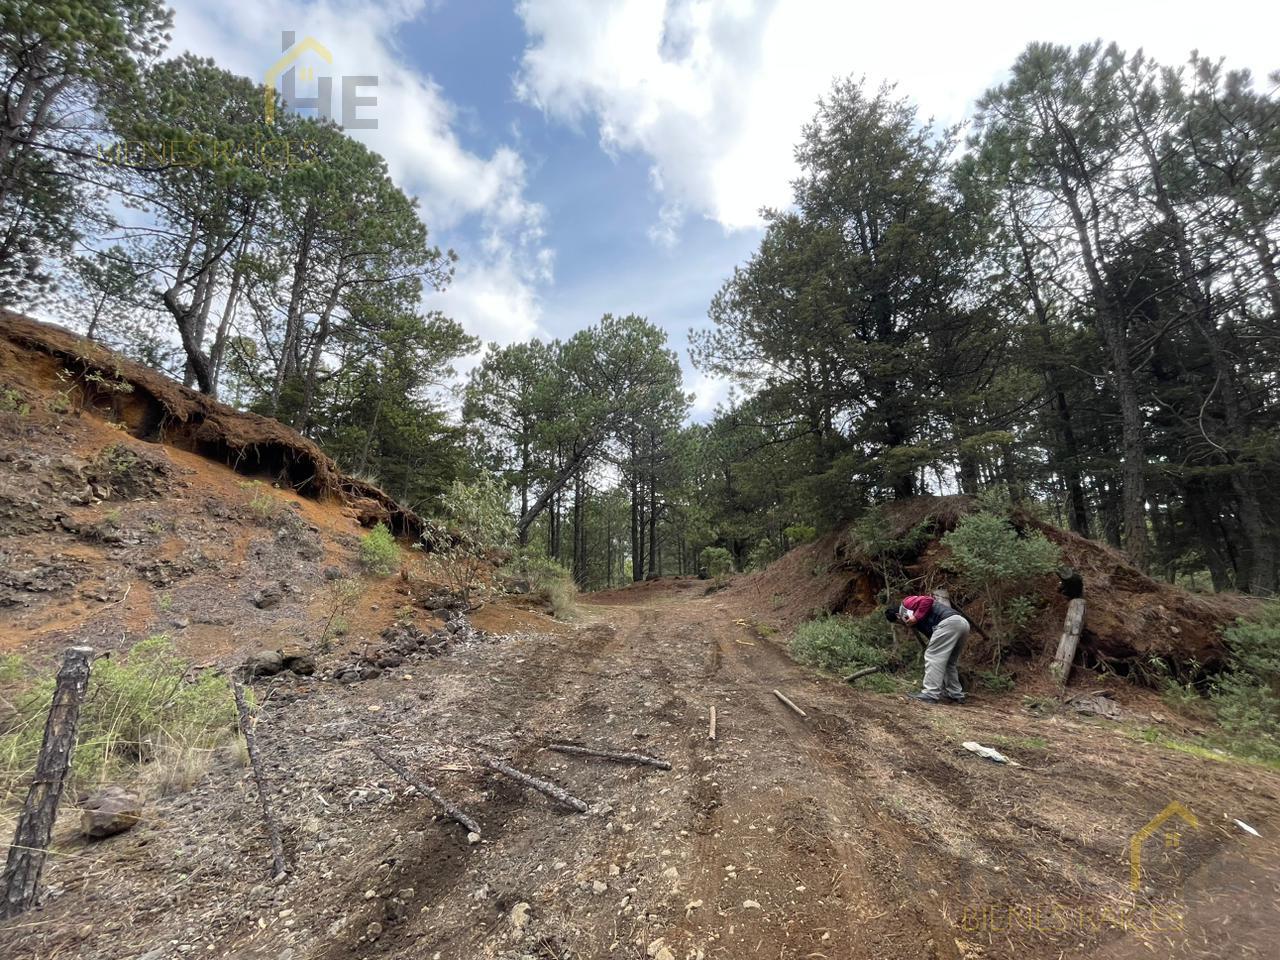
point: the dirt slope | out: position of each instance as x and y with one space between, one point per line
1130 618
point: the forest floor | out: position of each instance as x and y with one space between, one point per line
862 830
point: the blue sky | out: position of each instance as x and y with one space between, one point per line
585 156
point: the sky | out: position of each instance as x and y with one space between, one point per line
613 156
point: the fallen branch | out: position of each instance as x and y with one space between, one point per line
617 756
431 793
542 786
711 728
264 798
864 672
779 695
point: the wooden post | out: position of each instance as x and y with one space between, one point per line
1061 666
278 864
35 823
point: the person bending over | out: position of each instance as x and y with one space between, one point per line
946 631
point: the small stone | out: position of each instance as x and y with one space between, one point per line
473 838
268 597
750 905
264 663
297 658
373 931
598 887
520 916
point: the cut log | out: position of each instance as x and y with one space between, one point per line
711 727
35 822
278 865
557 794
618 756
780 696
1062 660
431 793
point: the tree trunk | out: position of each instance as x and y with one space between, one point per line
1133 471
653 506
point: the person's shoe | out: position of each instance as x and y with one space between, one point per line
923 697
958 701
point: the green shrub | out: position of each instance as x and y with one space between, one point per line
997 564
477 524
799 533
547 579
762 554
11 401
873 534
717 561
1244 697
986 548
841 644
379 552
140 709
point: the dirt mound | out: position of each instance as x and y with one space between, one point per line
1130 616
86 376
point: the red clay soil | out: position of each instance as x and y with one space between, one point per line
50 358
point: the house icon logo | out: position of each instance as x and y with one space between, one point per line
287 70
1172 838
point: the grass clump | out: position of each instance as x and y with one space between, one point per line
139 711
379 552
841 644
263 505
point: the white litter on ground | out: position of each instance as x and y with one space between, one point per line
990 753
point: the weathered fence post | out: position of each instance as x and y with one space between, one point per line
1061 666
35 823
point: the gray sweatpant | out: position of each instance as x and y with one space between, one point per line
941 657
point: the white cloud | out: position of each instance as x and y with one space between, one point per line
416 134
708 391
715 92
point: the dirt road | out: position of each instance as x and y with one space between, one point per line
862 830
